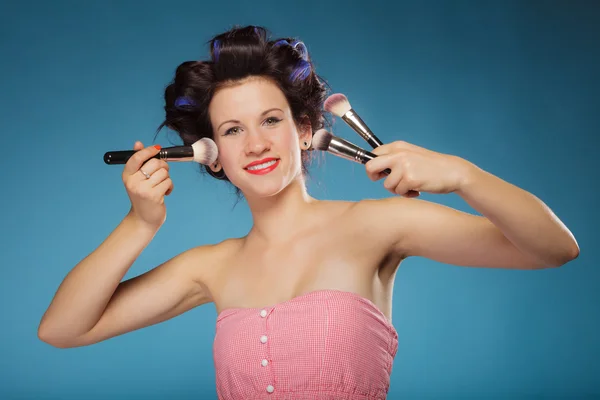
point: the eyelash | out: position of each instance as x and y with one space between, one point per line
275 121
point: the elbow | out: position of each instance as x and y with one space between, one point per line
572 253
45 335
572 249
563 257
48 336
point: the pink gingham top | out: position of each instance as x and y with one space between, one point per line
323 345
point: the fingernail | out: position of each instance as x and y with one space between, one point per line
157 146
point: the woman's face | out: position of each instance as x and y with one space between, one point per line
258 140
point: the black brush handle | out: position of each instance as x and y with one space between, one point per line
119 157
374 141
177 153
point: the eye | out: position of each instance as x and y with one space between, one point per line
272 121
232 131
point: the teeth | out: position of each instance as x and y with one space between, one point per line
261 166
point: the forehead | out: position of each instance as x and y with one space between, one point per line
246 99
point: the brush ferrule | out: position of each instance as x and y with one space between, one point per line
350 151
177 153
358 125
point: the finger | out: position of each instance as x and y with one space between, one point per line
139 158
150 167
170 190
376 166
401 145
398 146
138 145
404 189
154 164
165 187
393 180
157 177
383 149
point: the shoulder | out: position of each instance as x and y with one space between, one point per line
404 213
380 210
392 207
376 213
390 222
203 263
216 252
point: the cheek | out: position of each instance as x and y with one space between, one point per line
228 163
288 140
226 155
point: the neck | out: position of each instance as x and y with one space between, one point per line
272 216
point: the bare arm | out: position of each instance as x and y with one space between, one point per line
92 304
412 227
447 235
522 218
516 229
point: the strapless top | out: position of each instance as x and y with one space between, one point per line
326 344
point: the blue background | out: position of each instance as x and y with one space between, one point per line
509 85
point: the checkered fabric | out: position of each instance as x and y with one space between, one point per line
323 345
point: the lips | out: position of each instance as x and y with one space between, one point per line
263 166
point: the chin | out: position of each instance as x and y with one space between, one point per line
266 189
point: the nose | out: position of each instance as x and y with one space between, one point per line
256 143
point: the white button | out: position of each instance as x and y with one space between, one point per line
263 313
263 339
270 389
264 363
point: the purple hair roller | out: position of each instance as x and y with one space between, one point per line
184 101
216 49
302 71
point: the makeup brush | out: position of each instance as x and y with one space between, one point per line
204 151
339 105
325 141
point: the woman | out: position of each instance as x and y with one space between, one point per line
304 299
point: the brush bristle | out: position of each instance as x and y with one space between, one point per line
205 151
321 140
337 104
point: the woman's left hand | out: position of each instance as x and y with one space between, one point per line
415 169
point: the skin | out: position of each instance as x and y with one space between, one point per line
359 250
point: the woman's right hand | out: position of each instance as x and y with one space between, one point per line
147 194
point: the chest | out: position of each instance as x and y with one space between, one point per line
330 259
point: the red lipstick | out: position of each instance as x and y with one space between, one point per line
273 163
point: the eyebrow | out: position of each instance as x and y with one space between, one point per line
235 121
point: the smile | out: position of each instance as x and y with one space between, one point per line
263 167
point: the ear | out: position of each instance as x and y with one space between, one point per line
305 133
215 167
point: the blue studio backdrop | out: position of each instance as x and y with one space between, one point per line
509 85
